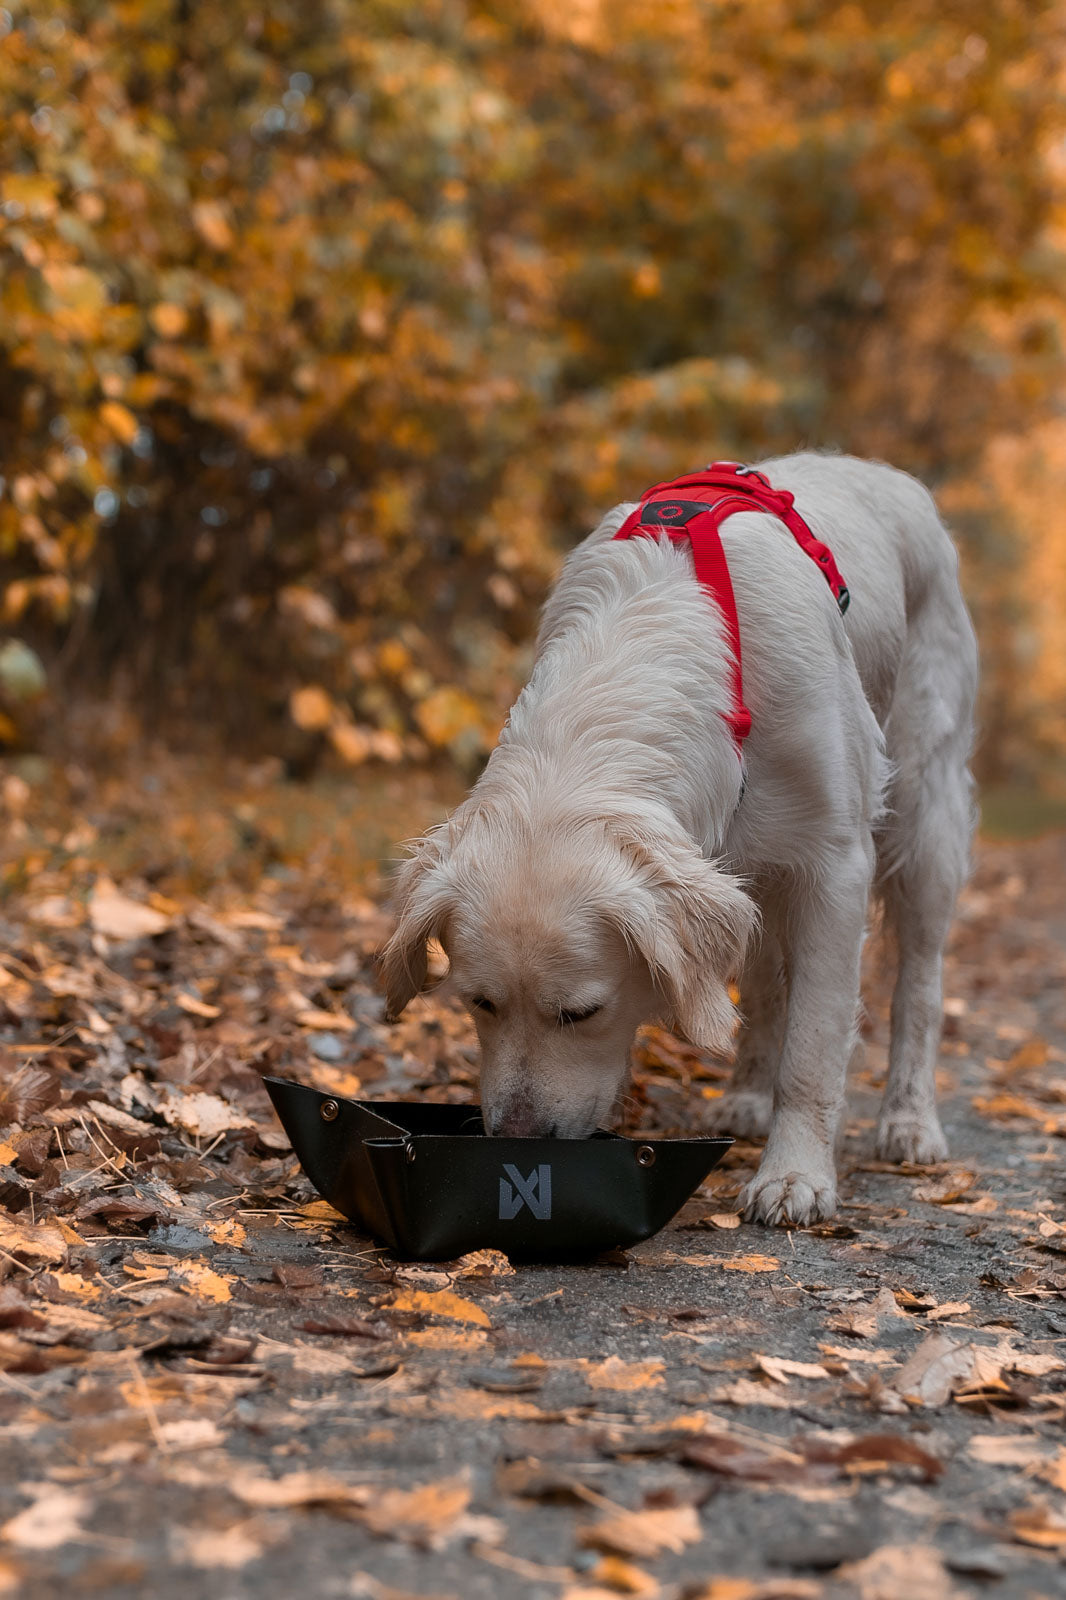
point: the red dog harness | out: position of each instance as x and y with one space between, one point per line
694 508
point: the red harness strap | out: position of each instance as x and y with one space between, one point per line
694 507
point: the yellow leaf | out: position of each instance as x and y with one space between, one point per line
751 1264
120 420
8 1154
211 221
229 1231
201 1281
350 743
614 1373
442 1303
168 319
319 1020
311 708
446 714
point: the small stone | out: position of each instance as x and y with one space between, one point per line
326 1046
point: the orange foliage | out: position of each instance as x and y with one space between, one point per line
325 328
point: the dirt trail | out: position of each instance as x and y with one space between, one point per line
210 1386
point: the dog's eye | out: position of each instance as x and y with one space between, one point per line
479 1003
567 1019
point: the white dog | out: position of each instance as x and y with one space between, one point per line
614 865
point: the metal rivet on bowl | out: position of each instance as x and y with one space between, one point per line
329 1110
409 1152
645 1155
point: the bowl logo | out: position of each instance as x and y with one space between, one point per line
534 1192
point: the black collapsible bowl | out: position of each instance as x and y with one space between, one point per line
428 1180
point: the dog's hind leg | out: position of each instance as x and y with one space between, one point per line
924 853
919 898
745 1107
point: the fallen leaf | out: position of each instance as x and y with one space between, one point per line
781 1369
31 1090
751 1264
440 1304
944 1190
950 1308
1054 1472
201 1280
1008 1449
205 1116
55 1517
914 1570
1038 1526
428 1516
195 1007
622 1577
210 1548
116 916
644 1533
937 1368
32 1241
484 1264
623 1376
864 1321
726 1220
332 1021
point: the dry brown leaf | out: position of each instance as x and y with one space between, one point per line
195 1007
751 1264
1038 1526
946 1189
32 1241
1054 1472
293 1489
319 1021
54 1518
916 1571
430 1515
644 1533
209 1548
441 1304
782 1588
205 1116
781 1369
116 916
937 1368
1033 1053
195 1277
622 1577
484 1264
950 1308
1009 1449
747 1392
622 1376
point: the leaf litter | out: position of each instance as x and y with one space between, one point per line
196 1348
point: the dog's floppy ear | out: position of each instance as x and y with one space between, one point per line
422 899
691 922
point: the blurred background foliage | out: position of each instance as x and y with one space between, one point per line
326 326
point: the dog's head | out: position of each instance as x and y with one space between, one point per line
562 939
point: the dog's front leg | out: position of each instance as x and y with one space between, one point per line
796 1181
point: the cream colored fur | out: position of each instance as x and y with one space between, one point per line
608 859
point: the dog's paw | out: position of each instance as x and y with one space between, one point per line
789 1199
744 1113
915 1139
